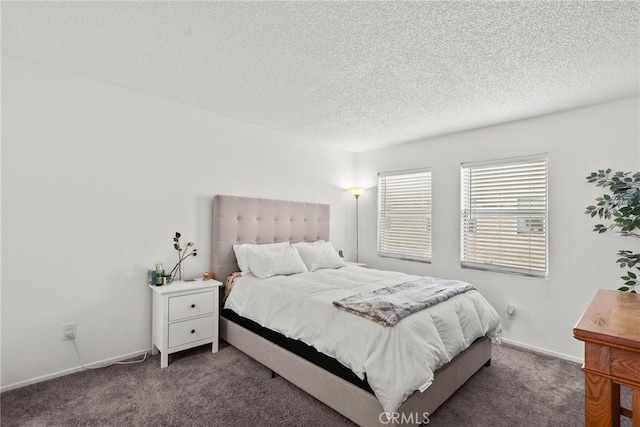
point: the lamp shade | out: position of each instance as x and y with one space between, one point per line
356 191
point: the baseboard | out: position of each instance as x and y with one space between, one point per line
542 350
72 370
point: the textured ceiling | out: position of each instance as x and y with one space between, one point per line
358 75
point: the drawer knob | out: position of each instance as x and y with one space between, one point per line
193 331
193 306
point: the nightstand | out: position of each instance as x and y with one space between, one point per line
185 315
358 264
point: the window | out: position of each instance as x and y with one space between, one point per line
504 215
404 215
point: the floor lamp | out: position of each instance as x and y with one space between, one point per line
356 192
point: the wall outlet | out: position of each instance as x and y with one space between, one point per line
69 331
511 312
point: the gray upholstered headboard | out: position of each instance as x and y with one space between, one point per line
239 220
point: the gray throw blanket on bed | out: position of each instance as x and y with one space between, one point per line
388 306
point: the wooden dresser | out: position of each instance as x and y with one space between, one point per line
610 329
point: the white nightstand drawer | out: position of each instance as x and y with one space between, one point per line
190 305
190 330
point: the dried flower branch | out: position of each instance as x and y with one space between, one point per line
182 255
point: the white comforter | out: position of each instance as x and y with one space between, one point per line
396 360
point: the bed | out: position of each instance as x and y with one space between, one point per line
238 220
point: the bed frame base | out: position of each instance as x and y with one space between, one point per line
349 400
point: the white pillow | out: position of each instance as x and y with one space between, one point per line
276 261
318 255
242 252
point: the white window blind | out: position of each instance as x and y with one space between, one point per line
404 215
504 215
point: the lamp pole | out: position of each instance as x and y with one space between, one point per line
356 192
357 196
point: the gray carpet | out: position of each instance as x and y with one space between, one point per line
199 388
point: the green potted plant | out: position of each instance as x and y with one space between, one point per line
621 205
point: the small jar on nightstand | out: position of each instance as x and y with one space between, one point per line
185 315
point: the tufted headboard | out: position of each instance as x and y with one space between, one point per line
239 220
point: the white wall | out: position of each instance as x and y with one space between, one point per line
577 142
96 179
